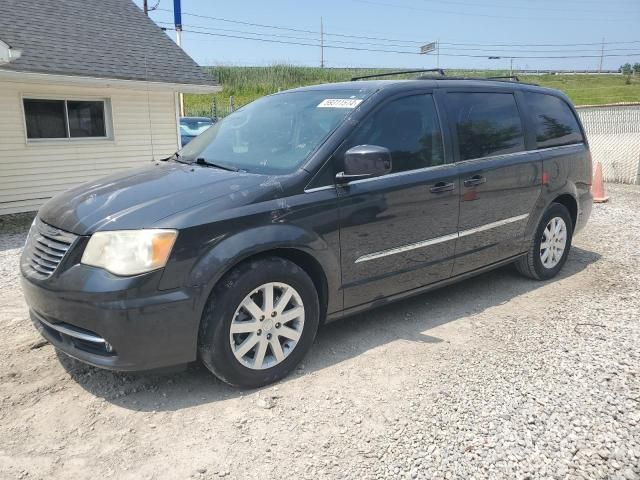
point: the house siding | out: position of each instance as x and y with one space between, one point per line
143 129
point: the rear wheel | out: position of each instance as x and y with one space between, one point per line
550 245
259 322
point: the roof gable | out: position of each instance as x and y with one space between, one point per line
104 39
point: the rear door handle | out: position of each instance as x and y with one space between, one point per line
474 181
442 187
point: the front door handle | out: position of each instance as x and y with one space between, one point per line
475 181
442 187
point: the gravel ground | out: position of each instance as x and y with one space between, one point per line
495 377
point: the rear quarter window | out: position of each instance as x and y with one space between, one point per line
555 123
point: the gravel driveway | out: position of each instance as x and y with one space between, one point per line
495 377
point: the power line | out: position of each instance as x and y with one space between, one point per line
507 52
242 23
354 42
541 44
364 37
511 5
291 29
486 15
279 35
340 47
317 44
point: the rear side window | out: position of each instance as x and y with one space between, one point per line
487 124
555 123
409 128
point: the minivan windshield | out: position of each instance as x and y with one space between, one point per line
275 134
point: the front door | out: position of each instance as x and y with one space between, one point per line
398 231
500 181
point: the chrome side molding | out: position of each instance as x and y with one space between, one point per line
436 240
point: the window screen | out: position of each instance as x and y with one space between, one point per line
555 123
86 119
45 118
64 118
409 128
487 124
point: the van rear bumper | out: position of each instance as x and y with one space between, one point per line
585 205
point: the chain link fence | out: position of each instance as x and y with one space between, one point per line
613 132
222 109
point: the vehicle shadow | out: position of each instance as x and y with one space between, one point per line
336 342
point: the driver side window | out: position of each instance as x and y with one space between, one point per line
409 128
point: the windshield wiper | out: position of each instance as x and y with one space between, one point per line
176 156
204 161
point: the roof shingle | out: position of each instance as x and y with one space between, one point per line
95 38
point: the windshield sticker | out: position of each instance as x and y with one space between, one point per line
340 103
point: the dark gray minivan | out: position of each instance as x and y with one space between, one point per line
299 209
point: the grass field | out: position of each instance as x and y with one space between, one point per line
245 84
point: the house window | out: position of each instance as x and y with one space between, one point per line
65 118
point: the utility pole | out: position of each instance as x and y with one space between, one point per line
601 55
511 67
438 61
146 7
177 20
321 44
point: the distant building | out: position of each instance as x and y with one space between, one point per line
86 88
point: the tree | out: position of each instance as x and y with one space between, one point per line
636 68
626 69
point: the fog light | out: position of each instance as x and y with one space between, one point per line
108 347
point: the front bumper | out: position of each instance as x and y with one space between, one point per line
113 322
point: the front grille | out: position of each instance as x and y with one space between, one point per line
45 248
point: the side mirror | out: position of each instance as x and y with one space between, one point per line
365 161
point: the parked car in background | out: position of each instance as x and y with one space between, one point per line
301 208
191 127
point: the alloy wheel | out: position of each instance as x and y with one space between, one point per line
267 325
554 242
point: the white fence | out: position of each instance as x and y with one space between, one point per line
613 132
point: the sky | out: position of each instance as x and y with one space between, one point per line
389 33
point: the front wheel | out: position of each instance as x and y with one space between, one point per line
550 245
259 322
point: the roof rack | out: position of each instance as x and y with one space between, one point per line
504 77
439 70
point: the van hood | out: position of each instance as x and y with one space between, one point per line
138 198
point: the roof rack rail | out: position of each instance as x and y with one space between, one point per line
504 77
387 74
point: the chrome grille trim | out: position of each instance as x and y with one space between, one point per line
86 336
45 248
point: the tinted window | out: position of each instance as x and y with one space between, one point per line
409 128
86 119
554 121
487 124
45 118
64 118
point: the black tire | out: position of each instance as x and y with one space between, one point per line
214 345
531 264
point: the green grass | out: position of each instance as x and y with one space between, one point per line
245 84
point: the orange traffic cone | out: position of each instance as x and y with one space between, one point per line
597 187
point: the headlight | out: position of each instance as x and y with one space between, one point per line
129 252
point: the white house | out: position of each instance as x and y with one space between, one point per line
86 88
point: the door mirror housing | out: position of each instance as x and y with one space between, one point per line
365 161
